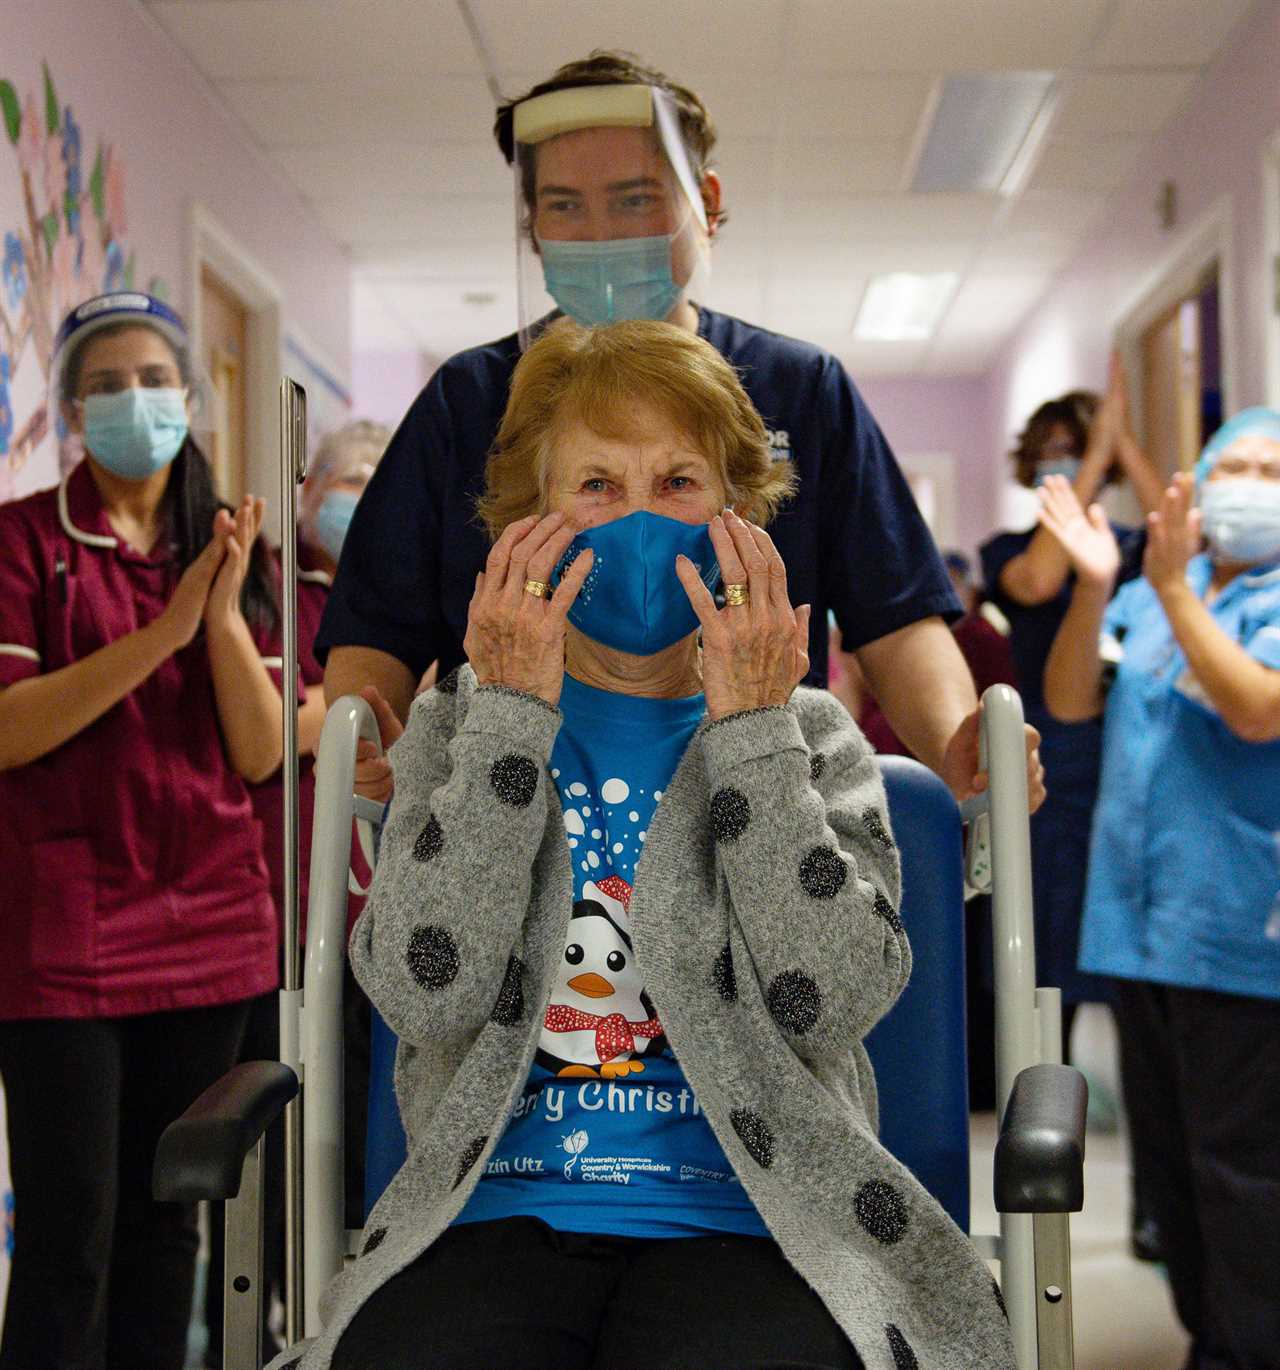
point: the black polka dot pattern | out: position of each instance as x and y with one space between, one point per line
514 779
886 911
795 1001
817 765
904 1358
723 977
469 1157
730 814
509 1009
755 1135
430 841
996 1290
876 829
449 685
373 1241
880 1209
822 873
433 957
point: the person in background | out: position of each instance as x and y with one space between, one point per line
135 707
1183 899
618 204
339 470
1029 579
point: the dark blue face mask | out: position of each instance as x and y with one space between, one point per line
633 600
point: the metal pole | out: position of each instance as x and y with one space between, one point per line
293 470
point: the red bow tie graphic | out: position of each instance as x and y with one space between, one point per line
614 1034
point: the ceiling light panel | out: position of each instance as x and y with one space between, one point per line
904 307
981 124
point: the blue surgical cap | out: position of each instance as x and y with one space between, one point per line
1257 422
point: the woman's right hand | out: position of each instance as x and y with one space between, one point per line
515 638
1086 538
183 614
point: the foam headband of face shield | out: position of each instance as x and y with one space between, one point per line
1257 422
563 111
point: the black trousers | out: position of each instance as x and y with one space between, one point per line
102 1275
517 1295
1201 1076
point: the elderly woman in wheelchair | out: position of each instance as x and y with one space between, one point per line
635 910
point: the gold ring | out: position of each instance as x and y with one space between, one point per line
536 588
737 594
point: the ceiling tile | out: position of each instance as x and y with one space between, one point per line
1099 164
239 39
865 105
325 171
844 217
396 220
1120 102
1166 33
842 166
938 35
288 113
744 36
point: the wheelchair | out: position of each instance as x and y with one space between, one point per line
215 1150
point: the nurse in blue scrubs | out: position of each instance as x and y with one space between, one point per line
1183 899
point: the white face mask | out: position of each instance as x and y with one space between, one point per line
1241 518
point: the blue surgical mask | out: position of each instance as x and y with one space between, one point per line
632 600
1241 518
1062 466
136 432
623 278
332 520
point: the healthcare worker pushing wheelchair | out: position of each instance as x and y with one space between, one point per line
617 207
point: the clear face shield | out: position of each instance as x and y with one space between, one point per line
609 215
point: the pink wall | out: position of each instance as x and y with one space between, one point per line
1213 151
385 384
928 415
132 90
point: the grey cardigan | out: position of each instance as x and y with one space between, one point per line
764 915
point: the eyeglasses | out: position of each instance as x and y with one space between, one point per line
1266 468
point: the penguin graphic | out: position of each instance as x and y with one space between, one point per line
599 1019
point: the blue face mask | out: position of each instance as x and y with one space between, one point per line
332 520
1241 518
136 432
1062 466
625 278
633 600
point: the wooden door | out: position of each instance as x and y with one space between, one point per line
1180 377
225 331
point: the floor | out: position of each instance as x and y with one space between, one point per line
1124 1317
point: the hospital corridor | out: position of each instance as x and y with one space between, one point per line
640 685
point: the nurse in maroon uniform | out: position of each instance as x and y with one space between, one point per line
137 924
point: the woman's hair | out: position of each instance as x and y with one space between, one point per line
339 453
599 377
604 67
190 500
1074 411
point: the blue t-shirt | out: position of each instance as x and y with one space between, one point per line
852 538
607 1135
1184 866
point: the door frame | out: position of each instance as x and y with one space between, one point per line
210 245
940 467
1210 238
1271 258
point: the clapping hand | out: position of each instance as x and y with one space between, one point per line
754 654
1173 535
237 534
1086 538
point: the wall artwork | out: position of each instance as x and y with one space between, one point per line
67 241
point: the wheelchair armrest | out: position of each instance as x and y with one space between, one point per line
1039 1164
201 1154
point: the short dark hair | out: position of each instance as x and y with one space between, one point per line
607 67
1074 411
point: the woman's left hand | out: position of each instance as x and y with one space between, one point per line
753 654
1173 536
238 533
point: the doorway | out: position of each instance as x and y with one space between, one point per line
224 349
1181 375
